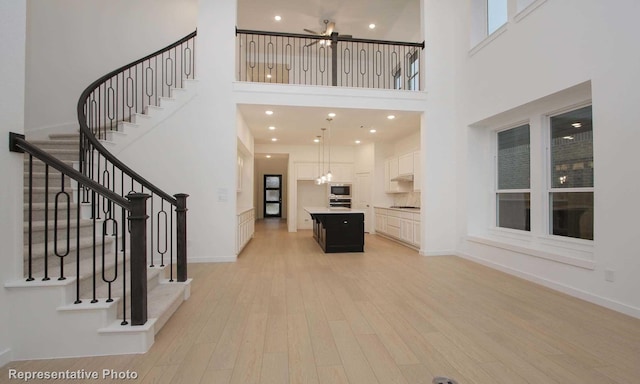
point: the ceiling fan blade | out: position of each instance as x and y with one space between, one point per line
313 43
330 28
310 31
347 36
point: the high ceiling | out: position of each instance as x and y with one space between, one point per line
300 125
394 19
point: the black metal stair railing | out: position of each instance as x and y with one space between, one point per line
102 109
334 60
108 238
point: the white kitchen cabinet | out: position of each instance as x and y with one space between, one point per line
306 171
246 227
390 172
406 230
393 167
405 164
416 234
342 173
381 220
400 225
417 175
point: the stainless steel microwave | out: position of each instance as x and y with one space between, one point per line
339 190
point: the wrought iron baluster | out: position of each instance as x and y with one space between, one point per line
62 255
46 223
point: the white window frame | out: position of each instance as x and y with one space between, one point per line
413 78
548 190
496 190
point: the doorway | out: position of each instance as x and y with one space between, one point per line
272 196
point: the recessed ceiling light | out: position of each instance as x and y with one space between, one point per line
316 140
372 131
576 125
568 137
278 18
274 139
391 117
268 156
357 141
271 128
331 114
268 76
372 26
269 113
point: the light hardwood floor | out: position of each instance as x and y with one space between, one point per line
288 313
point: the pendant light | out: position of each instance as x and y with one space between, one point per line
318 181
323 178
329 175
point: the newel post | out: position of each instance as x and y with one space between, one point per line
181 236
138 226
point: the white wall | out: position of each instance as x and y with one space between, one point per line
245 196
71 43
558 45
12 45
195 150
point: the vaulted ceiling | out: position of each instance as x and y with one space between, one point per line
394 20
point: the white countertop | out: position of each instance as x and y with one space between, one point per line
325 210
416 210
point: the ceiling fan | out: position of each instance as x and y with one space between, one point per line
329 27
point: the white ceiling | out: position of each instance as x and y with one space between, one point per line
395 20
300 125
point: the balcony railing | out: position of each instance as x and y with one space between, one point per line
334 60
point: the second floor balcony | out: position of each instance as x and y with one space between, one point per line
328 60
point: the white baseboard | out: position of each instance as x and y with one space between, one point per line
5 357
438 253
580 294
213 259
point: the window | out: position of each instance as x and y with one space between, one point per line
413 69
496 15
513 194
571 174
397 79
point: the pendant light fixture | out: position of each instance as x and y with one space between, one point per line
323 178
329 175
318 181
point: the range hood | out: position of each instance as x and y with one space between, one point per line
405 177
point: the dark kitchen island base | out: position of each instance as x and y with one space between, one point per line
341 231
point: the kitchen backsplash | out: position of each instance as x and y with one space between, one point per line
410 199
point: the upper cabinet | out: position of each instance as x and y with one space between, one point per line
402 173
342 173
417 175
405 164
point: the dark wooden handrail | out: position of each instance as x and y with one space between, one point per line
18 143
82 120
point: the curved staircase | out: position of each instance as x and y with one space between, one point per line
83 254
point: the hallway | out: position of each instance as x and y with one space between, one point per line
287 313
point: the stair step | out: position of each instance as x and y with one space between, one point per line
57 144
38 229
86 248
65 136
38 211
63 154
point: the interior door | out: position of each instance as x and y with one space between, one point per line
272 195
362 198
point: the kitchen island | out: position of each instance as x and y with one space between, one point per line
338 230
